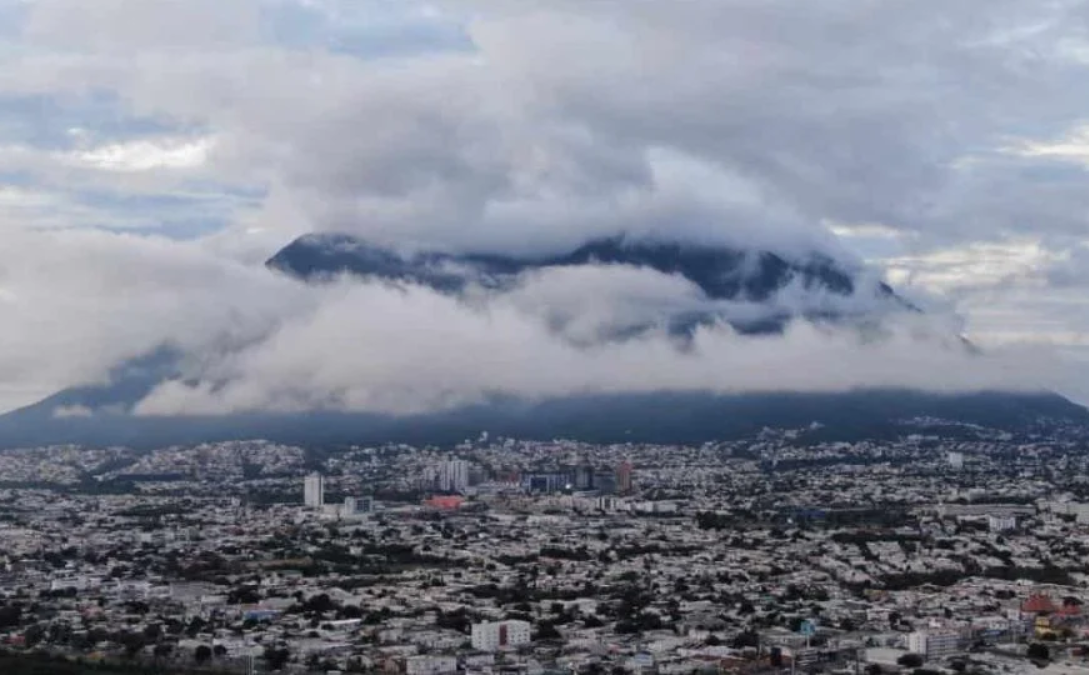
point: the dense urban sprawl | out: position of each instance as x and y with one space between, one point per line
935 552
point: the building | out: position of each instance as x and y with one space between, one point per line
452 475
956 460
1002 523
605 482
494 636
584 478
623 477
608 503
314 491
445 503
355 506
430 665
934 644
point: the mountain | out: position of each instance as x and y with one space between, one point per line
690 417
819 288
722 273
771 290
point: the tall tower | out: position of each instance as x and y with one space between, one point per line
314 491
453 475
623 477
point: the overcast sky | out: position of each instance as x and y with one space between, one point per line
154 152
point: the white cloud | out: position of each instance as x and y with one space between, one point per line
974 266
757 123
1074 147
406 351
146 155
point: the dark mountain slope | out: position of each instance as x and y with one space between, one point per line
661 418
722 273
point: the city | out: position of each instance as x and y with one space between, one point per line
922 554
544 337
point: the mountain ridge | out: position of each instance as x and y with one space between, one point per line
756 277
673 417
103 414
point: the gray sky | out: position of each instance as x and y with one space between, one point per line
154 152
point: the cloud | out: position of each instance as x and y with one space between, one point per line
255 340
130 26
407 350
914 135
77 304
146 155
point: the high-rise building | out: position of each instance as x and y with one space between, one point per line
584 478
956 460
453 475
605 482
314 491
623 477
490 637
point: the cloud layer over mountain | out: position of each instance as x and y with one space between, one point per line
259 341
153 154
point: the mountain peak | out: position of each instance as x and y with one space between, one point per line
720 272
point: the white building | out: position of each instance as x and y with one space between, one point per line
354 506
430 665
934 644
453 475
1001 523
956 460
314 491
493 636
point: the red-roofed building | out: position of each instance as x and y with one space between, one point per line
1038 603
445 503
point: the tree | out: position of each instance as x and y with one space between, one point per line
195 626
1039 652
153 631
276 658
133 643
243 595
11 615
592 621
546 630
202 654
33 635
910 661
747 639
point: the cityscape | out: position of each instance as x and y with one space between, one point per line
506 556
544 337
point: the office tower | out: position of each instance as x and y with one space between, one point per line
314 491
453 475
584 478
623 477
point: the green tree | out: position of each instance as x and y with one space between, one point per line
202 654
910 661
1039 652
